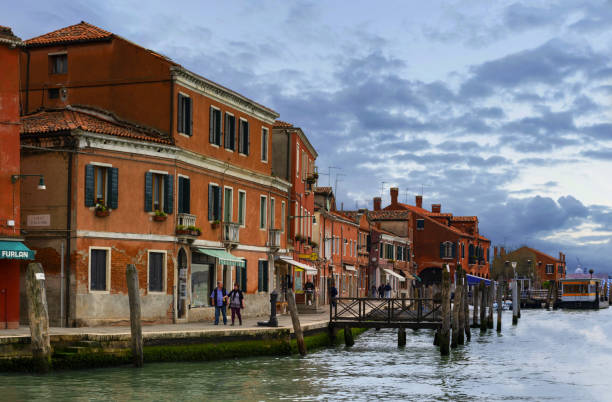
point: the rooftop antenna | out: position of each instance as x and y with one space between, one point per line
406 196
382 188
336 186
423 185
329 169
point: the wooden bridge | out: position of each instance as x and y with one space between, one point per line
368 312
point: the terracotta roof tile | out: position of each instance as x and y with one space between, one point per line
465 218
81 32
389 214
90 120
7 34
322 190
280 123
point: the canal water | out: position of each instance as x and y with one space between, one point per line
550 355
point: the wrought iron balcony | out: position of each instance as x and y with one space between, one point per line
274 238
231 232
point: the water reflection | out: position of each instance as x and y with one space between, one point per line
550 355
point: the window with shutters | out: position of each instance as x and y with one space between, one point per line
101 185
228 206
407 253
420 224
157 271
241 207
381 250
243 144
389 254
230 132
283 217
184 195
184 115
262 276
263 216
264 144
99 269
159 192
550 269
241 277
214 135
214 202
446 249
58 63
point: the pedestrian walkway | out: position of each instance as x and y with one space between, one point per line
308 321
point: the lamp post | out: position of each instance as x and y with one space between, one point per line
41 181
515 297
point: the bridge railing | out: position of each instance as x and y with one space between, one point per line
387 311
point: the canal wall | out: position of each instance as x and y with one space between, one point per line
90 350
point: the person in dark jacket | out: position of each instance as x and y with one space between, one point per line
373 294
388 290
236 301
219 300
381 291
333 292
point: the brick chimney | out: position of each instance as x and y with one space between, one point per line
377 203
419 201
436 208
394 191
503 251
495 251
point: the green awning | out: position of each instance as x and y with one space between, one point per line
224 257
15 250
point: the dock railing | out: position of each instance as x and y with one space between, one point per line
392 312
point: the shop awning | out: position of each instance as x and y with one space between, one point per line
408 275
350 268
398 276
299 266
223 256
15 250
475 280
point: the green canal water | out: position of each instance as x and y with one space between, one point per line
550 355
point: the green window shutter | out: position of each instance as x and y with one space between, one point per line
218 127
226 126
243 277
168 193
113 186
240 136
211 126
265 275
180 118
259 276
180 208
148 192
441 250
89 186
186 195
247 142
219 203
211 202
454 250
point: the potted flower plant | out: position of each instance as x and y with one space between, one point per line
160 216
215 224
194 231
182 230
101 210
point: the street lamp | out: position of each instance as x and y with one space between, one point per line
41 182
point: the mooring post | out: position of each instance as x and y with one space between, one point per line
295 319
38 314
459 306
466 310
519 304
475 298
455 319
401 337
515 303
332 332
483 305
443 334
131 275
348 336
491 294
555 295
499 306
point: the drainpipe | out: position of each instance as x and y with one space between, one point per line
27 83
62 295
68 236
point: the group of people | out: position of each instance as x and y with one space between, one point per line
220 299
383 291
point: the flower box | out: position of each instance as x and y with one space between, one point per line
102 213
159 218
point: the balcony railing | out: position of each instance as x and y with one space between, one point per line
231 232
186 220
274 239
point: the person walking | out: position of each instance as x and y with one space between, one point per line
333 292
236 301
373 294
381 291
388 290
219 299
310 289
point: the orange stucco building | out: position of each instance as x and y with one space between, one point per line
150 164
12 250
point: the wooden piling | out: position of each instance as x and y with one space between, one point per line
38 314
131 275
515 303
295 319
500 286
475 301
466 310
436 341
555 301
483 305
491 295
443 335
459 306
455 315
401 337
348 337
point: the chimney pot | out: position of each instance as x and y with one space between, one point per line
436 208
419 201
394 191
377 203
495 251
502 251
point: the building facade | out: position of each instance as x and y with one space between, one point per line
163 169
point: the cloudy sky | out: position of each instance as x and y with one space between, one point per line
497 109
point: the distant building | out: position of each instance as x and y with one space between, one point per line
543 266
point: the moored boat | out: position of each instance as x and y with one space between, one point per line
583 293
